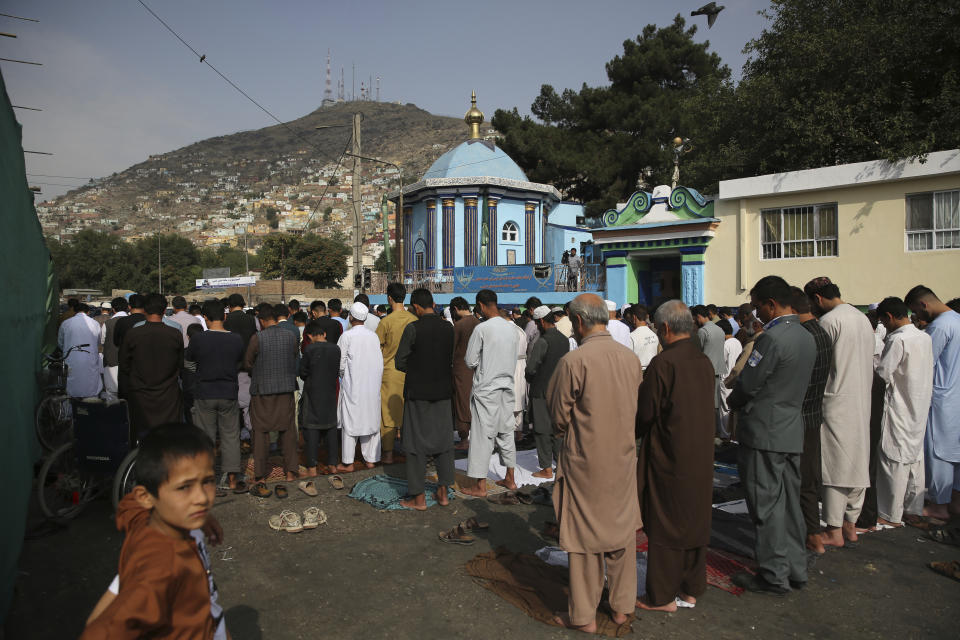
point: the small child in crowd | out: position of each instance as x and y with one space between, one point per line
165 586
319 370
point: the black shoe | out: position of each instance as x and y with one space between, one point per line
758 584
797 584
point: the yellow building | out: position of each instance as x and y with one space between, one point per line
875 228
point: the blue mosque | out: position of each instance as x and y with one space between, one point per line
475 221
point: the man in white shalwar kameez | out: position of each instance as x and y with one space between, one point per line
845 436
492 354
520 377
361 373
941 446
84 371
906 366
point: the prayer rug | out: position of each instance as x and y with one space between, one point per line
527 465
721 565
534 587
385 492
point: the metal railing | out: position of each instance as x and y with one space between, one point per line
590 277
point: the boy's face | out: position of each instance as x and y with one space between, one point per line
183 502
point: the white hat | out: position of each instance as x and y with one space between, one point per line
611 305
541 312
873 307
556 308
359 311
106 305
446 313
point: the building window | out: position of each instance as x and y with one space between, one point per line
510 232
933 220
809 231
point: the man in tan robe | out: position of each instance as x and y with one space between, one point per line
675 466
845 436
464 322
592 401
390 330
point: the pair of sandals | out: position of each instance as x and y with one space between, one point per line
261 490
291 521
460 533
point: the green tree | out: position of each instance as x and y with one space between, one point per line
225 256
850 80
319 259
180 262
326 214
380 264
92 259
594 143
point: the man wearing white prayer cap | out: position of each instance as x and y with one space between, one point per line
361 374
619 331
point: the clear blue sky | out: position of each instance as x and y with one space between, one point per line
116 86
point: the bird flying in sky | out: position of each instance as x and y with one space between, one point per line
710 10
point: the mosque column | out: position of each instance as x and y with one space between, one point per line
408 238
543 233
431 257
448 229
530 232
691 275
470 231
494 230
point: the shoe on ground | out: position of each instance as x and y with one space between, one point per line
313 518
288 521
798 584
757 584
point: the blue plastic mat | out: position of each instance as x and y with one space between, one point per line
385 492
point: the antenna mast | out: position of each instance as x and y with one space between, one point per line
328 91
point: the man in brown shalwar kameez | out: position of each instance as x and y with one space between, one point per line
675 466
592 401
271 359
464 322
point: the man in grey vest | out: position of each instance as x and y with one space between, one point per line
544 356
111 352
271 359
769 396
711 340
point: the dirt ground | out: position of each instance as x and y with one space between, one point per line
369 574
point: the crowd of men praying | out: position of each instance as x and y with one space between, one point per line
839 415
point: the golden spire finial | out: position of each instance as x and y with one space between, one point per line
474 117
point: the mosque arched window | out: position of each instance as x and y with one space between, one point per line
510 232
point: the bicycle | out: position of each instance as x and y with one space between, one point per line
100 457
54 417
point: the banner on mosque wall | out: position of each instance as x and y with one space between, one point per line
224 283
505 278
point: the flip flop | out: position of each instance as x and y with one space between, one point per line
508 498
281 491
945 535
308 487
472 524
456 536
336 482
948 569
260 490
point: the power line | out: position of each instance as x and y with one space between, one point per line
327 187
203 59
37 64
27 108
7 15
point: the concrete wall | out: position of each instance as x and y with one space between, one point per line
871 263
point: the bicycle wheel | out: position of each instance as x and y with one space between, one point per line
54 421
125 478
63 489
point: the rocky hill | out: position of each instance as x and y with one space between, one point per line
259 181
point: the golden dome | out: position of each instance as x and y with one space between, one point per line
474 117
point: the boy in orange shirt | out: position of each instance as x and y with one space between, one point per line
166 589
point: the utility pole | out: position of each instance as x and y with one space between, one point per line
283 269
159 260
357 267
246 259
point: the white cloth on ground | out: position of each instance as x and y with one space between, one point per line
526 465
558 557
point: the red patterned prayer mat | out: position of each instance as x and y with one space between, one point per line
721 566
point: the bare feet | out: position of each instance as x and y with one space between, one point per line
860 530
370 465
887 523
441 496
417 502
543 473
815 544
508 480
479 490
563 619
687 599
644 604
832 537
345 468
618 618
311 472
291 477
850 531
938 511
